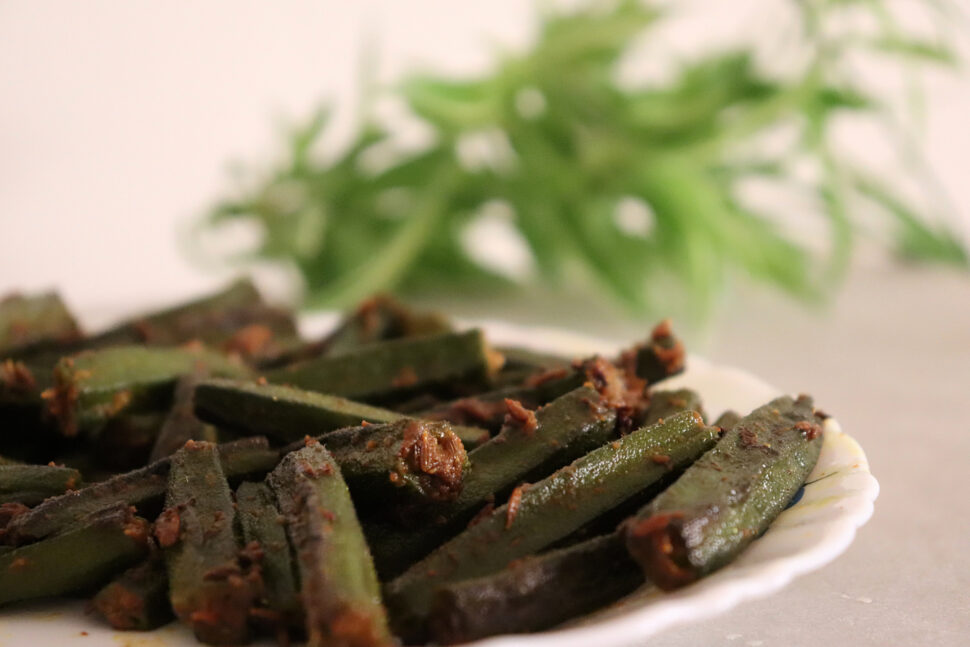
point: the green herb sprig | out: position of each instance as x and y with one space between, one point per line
571 144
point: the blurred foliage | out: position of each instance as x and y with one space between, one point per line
565 146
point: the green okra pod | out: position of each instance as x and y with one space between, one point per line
381 318
235 319
408 460
181 425
31 484
261 523
125 442
94 386
136 600
392 370
727 420
209 589
536 592
532 444
533 360
339 588
83 556
728 497
660 357
288 414
537 515
142 488
26 321
664 404
487 409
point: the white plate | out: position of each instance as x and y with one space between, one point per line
837 500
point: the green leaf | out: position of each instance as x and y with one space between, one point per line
915 239
932 52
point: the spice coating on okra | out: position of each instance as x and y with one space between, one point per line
728 497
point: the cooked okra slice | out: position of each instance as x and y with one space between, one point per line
261 526
391 370
728 497
664 404
85 555
26 321
136 600
31 484
338 586
209 589
536 592
181 425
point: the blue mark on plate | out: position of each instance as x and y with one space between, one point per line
798 497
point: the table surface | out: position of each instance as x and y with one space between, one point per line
890 358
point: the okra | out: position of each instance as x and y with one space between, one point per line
125 442
136 600
488 409
288 414
208 588
141 488
664 404
181 424
261 524
339 589
408 460
31 484
236 319
728 497
539 514
538 361
27 321
381 318
389 370
536 592
660 357
84 556
727 420
94 386
533 444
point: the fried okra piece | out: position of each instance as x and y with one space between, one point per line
338 586
728 497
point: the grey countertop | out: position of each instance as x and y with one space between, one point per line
890 358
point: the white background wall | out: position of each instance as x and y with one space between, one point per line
118 119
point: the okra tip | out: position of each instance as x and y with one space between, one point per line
435 455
